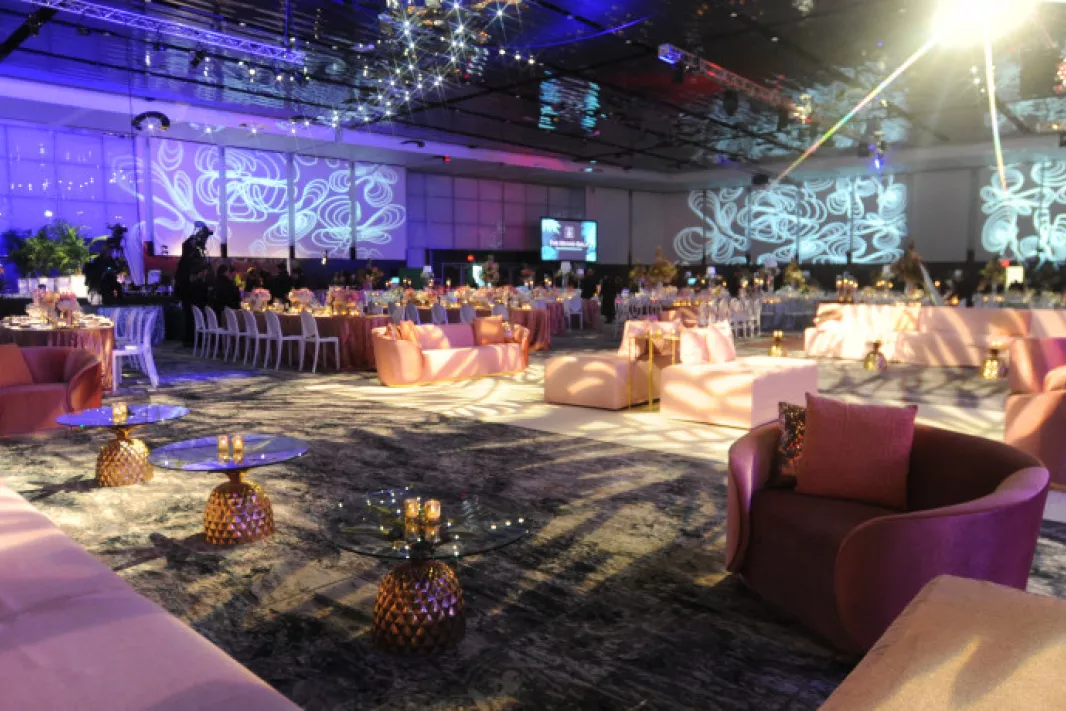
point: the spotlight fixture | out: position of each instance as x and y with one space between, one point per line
151 121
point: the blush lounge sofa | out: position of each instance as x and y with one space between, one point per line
1035 419
74 635
65 380
444 353
940 336
846 569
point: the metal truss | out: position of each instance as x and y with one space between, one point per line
673 55
195 35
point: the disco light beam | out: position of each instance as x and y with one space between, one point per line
990 78
858 107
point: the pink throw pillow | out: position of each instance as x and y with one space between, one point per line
1055 379
489 331
694 346
720 346
858 452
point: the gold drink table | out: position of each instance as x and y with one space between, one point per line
238 511
419 608
651 336
124 460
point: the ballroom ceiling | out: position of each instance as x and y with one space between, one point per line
573 78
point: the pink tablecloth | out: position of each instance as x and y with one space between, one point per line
592 318
537 321
98 341
353 332
688 315
557 317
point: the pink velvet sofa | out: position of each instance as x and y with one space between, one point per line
846 569
942 336
445 353
73 635
1035 419
65 380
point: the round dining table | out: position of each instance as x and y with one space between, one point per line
96 337
556 317
539 324
353 333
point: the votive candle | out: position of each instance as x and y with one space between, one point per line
411 508
223 448
120 412
432 511
237 442
412 532
431 532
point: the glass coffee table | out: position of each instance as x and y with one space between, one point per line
419 607
239 510
123 460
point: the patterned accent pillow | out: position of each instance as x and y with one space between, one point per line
793 422
408 332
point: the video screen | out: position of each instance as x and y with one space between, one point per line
567 240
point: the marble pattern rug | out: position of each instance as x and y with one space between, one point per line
617 600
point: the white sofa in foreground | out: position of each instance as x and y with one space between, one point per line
75 636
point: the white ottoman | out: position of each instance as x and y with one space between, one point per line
743 393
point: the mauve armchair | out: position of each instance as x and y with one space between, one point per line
1036 407
65 380
846 569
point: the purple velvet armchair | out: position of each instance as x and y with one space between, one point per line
846 569
1036 407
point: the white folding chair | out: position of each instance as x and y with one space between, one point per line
251 333
411 314
501 311
395 313
375 309
467 313
574 307
276 338
140 349
440 315
233 332
309 328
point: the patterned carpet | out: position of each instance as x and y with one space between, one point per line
617 601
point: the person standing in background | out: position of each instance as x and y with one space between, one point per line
226 292
589 285
281 285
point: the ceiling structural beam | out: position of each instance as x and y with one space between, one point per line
1002 107
24 31
730 80
195 35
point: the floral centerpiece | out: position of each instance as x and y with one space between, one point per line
342 299
528 275
259 299
463 293
301 299
68 306
662 270
426 297
909 268
490 271
994 274
794 277
638 274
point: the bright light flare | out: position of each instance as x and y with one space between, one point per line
969 22
990 76
858 107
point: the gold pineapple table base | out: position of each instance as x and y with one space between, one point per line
123 461
238 511
419 609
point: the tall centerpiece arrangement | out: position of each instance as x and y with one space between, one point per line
258 300
662 271
793 277
909 270
68 307
994 275
342 300
638 275
528 275
490 271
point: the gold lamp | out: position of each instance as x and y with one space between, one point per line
875 360
993 368
777 347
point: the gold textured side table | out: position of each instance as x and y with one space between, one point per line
420 608
238 511
125 459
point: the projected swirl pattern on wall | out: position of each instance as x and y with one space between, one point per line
825 219
1028 219
186 187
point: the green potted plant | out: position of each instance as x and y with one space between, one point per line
73 253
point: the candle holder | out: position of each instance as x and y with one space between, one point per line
431 511
120 412
237 446
431 533
777 347
412 508
875 360
993 368
223 448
